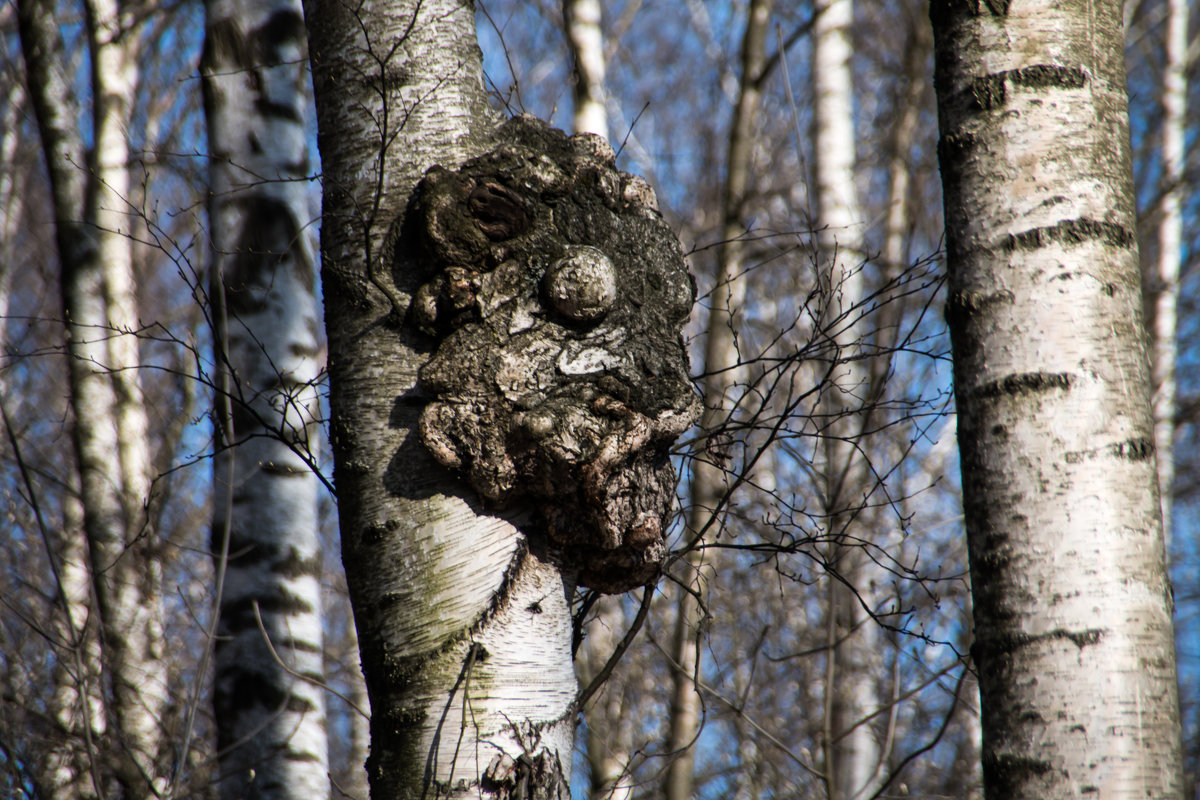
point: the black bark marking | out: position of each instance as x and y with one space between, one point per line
1068 232
1008 774
989 92
1024 383
268 240
944 12
1136 449
1003 645
556 295
962 305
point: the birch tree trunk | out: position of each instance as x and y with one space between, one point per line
586 39
852 755
721 371
110 427
1165 295
1072 605
270 716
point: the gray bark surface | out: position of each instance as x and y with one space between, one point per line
1072 605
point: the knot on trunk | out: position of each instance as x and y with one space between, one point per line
556 295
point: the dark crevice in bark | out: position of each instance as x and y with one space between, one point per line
1137 449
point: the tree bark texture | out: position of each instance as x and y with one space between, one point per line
90 190
269 714
1072 605
490 429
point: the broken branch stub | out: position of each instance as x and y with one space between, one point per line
557 295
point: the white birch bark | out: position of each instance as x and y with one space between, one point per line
109 417
721 359
586 38
466 634
270 715
1074 644
852 754
1170 251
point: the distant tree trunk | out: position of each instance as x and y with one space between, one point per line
586 39
721 359
270 716
899 217
1072 605
852 755
64 768
110 424
1165 288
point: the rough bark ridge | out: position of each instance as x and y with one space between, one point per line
559 374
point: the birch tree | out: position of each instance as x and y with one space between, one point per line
466 521
852 756
1073 633
90 187
269 704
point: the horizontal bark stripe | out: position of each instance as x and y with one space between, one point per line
1023 383
1006 643
988 92
270 109
244 608
1068 232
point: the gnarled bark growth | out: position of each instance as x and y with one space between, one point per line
559 375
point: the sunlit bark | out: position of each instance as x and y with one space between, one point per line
460 672
1074 644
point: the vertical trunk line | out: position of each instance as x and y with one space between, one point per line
721 359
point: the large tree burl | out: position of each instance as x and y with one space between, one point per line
557 298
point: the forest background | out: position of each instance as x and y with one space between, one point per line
772 603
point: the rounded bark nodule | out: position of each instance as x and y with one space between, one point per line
557 295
